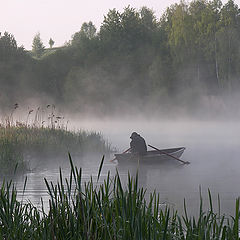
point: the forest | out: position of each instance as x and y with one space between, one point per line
182 62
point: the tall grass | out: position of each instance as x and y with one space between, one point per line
36 138
90 210
44 140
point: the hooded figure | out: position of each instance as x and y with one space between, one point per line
138 144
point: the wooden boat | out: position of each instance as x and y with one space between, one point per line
152 157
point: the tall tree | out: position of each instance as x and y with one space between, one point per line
228 39
8 46
111 31
211 19
51 42
37 46
87 32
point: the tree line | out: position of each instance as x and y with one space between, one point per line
135 61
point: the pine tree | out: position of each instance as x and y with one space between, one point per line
37 46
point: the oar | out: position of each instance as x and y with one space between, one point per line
122 153
161 151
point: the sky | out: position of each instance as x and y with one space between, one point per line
60 19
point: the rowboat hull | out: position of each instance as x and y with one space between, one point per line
152 157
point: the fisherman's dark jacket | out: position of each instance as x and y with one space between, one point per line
138 145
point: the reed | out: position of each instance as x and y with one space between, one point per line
20 142
107 210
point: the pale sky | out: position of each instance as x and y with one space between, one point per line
60 19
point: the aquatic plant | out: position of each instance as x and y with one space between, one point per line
10 157
106 210
22 141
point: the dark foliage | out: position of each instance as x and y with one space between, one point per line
134 61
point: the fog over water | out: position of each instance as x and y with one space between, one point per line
213 148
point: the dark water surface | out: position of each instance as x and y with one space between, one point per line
213 148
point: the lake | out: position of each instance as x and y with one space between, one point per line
213 148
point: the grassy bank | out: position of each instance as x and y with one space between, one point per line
109 210
21 142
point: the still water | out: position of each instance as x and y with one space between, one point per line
213 148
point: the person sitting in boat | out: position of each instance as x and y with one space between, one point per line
138 144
